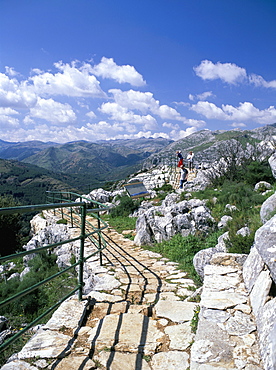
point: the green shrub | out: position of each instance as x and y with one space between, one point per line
126 206
182 250
62 221
257 171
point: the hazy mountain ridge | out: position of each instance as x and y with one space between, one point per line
83 165
205 143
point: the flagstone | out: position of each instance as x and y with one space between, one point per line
221 300
135 332
176 311
46 344
122 361
170 360
180 336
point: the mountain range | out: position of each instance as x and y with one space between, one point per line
29 168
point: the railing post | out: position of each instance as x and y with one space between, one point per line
82 239
71 212
100 239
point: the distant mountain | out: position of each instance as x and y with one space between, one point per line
205 144
80 165
105 161
28 183
83 165
20 151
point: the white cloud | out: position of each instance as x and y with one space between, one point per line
54 112
194 122
10 71
209 110
122 114
6 121
91 114
69 81
227 72
238 124
260 81
107 68
245 111
15 94
203 96
180 134
145 103
171 125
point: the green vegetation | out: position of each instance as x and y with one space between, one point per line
121 223
194 321
22 311
125 207
182 250
10 226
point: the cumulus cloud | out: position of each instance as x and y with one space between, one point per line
145 103
260 81
203 96
180 134
238 124
245 111
6 120
107 68
15 94
69 81
11 71
91 114
227 72
122 114
54 112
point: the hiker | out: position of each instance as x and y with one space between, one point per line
190 159
183 176
180 158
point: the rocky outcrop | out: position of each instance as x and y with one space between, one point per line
260 277
272 163
226 336
160 223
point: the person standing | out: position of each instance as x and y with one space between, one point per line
183 176
180 158
190 159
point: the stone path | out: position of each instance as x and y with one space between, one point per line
139 316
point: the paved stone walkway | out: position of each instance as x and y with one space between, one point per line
138 316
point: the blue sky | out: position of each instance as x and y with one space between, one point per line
105 69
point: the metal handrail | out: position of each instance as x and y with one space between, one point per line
84 206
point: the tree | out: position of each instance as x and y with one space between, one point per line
9 228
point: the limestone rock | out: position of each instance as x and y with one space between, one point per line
45 344
272 163
180 336
18 365
170 360
176 311
267 249
137 332
268 208
252 267
119 361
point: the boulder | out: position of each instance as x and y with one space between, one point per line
268 208
262 186
203 257
162 222
272 163
265 244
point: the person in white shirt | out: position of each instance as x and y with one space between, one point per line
190 159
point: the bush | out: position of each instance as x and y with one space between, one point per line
126 206
182 250
9 228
